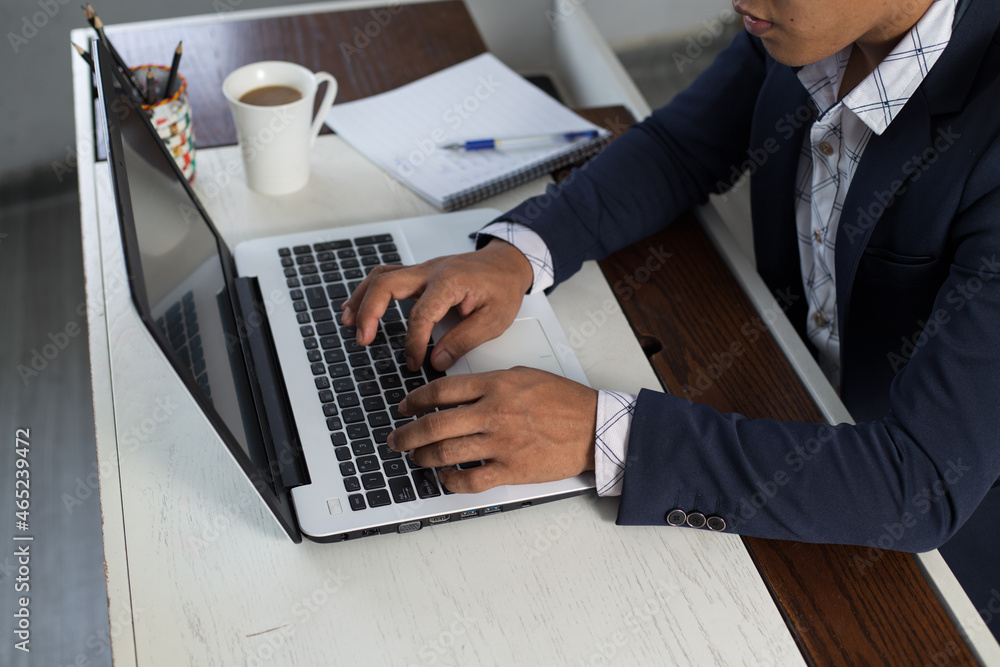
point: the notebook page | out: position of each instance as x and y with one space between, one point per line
402 130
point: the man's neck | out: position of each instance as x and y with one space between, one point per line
874 46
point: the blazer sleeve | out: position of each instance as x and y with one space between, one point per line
906 482
657 170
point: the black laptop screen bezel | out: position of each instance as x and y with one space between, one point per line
267 483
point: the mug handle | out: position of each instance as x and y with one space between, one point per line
324 107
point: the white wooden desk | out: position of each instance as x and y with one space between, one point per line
199 574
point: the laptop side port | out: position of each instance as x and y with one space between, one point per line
468 513
369 531
409 527
492 510
440 519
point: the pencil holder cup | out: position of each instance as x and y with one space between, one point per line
171 116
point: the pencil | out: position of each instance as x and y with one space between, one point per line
99 27
173 69
84 54
150 86
88 13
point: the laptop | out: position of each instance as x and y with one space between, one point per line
254 333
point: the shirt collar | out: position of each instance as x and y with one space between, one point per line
883 93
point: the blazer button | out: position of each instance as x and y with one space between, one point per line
716 523
696 520
676 517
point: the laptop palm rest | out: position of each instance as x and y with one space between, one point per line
523 344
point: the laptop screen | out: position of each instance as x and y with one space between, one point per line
177 271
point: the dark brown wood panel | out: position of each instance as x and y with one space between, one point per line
364 55
844 604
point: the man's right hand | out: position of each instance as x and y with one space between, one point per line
486 286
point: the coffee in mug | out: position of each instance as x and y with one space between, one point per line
272 106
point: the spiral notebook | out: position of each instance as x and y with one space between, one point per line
403 132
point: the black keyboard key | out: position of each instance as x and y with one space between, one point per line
343 454
328 266
414 383
326 329
290 272
347 469
343 384
348 333
337 245
307 331
346 252
293 282
411 463
303 318
324 256
351 345
364 374
348 400
380 351
300 306
322 383
363 447
333 424
395 396
318 369
332 277
354 284
357 502
407 373
284 252
379 498
337 293
373 480
381 435
354 415
396 414
353 274
326 396
402 490
378 419
398 343
338 439
384 366
305 259
310 343
329 342
309 270
390 381
339 370
364 240
383 238
368 464
317 298
358 431
359 359
373 404
387 454
425 482
392 316
369 389
390 258
335 356
297 295
310 280
387 247
352 484
329 410
370 261
323 315
302 250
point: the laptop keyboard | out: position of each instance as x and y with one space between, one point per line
180 325
358 388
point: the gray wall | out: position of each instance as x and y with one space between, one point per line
37 100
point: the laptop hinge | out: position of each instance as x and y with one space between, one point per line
270 396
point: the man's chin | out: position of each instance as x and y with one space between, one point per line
787 54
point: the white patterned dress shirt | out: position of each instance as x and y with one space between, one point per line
830 156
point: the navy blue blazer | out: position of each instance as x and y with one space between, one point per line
918 299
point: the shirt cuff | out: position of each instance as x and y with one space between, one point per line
531 246
614 420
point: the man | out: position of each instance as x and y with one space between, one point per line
878 205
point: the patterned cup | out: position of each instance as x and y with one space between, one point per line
171 117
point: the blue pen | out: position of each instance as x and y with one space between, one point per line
520 142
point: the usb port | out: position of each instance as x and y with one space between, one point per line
369 531
440 519
466 514
492 510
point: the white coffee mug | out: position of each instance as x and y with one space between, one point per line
275 140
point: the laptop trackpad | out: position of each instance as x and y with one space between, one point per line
523 344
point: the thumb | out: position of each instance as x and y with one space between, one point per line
474 330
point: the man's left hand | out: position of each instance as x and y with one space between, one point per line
528 426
